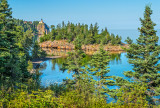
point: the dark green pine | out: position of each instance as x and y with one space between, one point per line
8 66
99 69
144 56
13 64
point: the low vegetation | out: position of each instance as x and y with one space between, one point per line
89 87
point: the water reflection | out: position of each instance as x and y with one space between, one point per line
115 59
52 73
58 61
61 52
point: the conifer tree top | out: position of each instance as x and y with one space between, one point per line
144 55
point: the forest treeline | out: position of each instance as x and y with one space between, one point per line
87 34
27 25
17 49
19 88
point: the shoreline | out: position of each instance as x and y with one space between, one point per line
36 62
63 44
64 52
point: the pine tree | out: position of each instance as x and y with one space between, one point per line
113 39
24 40
129 40
75 63
37 52
99 69
13 65
144 56
75 59
71 31
9 65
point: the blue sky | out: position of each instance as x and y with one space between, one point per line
113 14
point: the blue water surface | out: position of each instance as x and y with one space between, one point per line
52 73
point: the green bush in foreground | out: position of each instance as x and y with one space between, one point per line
72 99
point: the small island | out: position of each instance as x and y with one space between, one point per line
63 37
35 74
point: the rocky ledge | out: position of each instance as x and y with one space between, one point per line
63 44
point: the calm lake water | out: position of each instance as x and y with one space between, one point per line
118 64
53 74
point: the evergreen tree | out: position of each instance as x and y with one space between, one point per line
24 40
27 25
129 40
82 82
13 54
37 52
95 29
113 40
144 56
10 71
118 40
99 68
23 43
75 59
72 31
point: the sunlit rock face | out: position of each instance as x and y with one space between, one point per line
42 28
63 44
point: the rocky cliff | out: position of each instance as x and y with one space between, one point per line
42 28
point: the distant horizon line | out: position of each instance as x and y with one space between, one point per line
80 23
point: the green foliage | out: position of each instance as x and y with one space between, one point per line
46 99
30 66
99 70
24 41
87 35
13 65
144 56
37 99
34 82
129 40
45 37
58 89
27 25
132 97
75 99
82 82
87 89
75 60
37 52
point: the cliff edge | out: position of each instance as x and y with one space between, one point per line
42 28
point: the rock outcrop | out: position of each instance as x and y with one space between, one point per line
42 28
63 44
